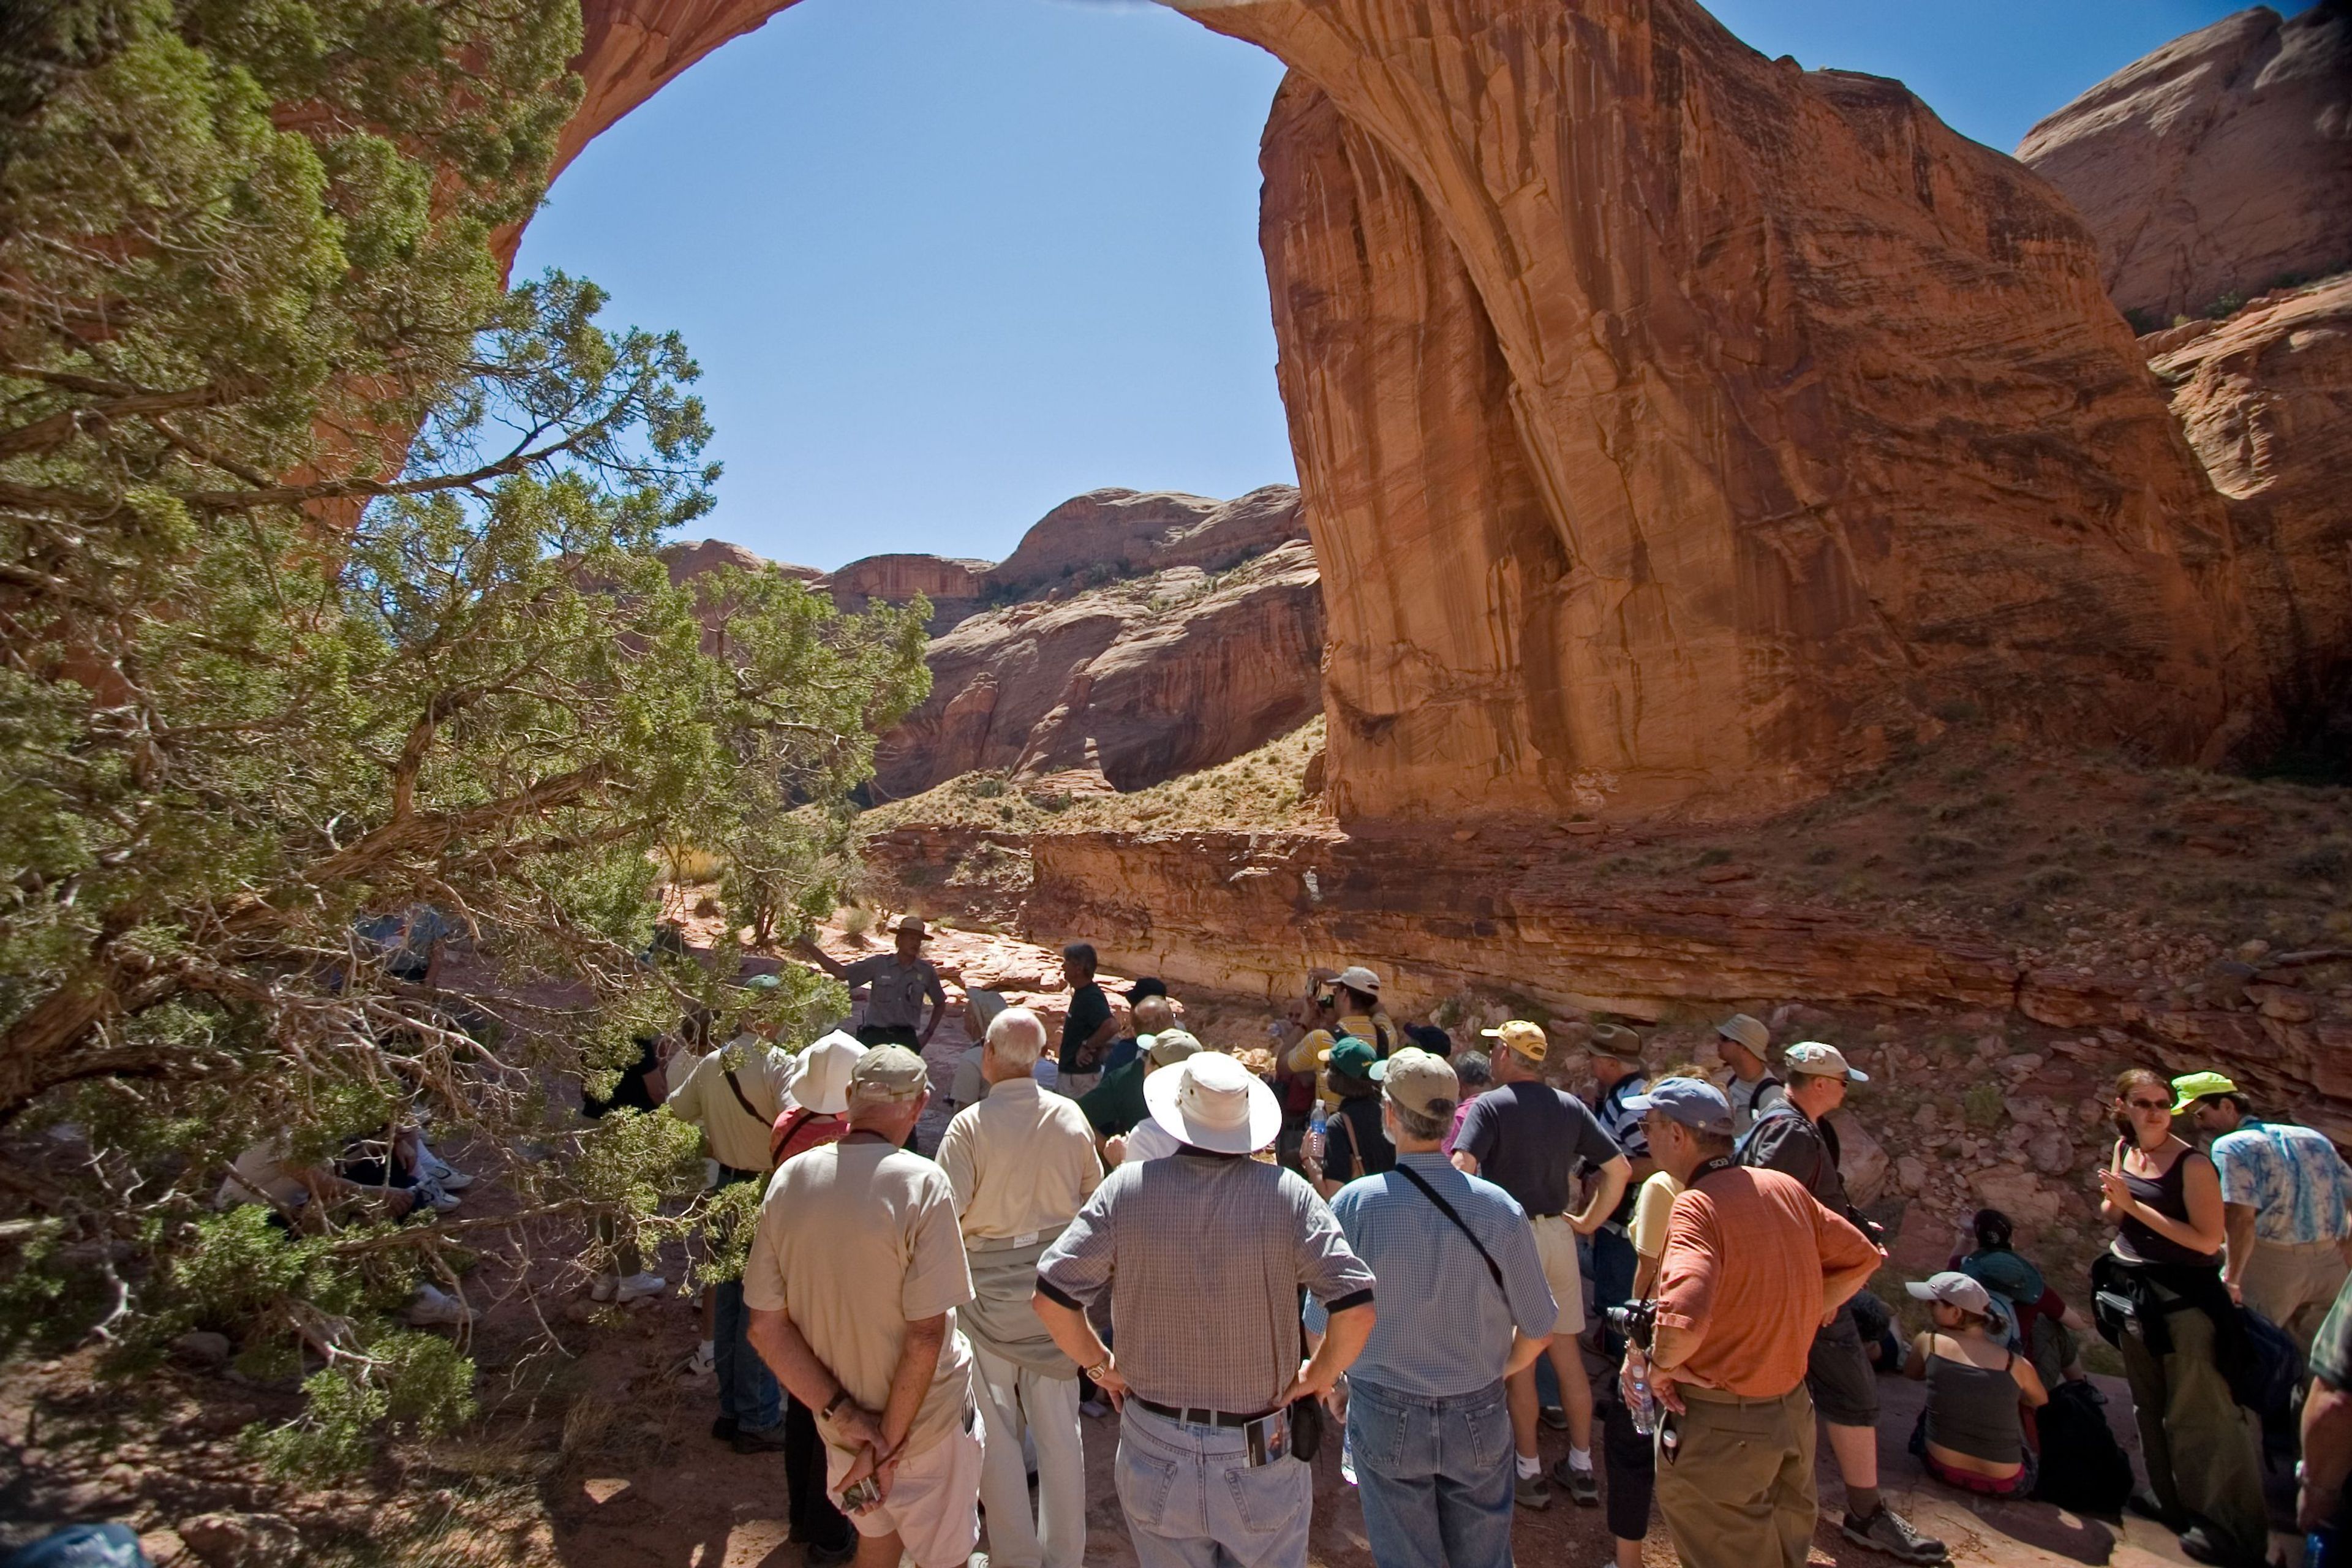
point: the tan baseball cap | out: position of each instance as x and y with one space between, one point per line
1526 1039
1422 1083
1742 1030
1812 1058
888 1072
1614 1040
1168 1048
1358 978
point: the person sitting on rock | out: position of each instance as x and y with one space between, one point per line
2027 1313
1970 1435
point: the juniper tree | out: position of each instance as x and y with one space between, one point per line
328 588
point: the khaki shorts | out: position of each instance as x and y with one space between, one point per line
1556 1249
934 1501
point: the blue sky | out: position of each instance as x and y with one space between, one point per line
946 263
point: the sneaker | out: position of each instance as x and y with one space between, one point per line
637 1284
1553 1417
2199 1547
1888 1531
1529 1491
1093 1405
759 1439
723 1428
451 1179
436 1307
1582 1490
602 1290
704 1362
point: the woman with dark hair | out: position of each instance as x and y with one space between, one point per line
2027 1311
1476 1076
2164 1199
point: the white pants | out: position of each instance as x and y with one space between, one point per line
1017 1402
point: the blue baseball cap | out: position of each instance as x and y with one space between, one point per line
1696 1104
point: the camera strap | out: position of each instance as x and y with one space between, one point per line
1494 1270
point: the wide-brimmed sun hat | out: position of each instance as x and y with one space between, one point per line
1213 1102
822 1085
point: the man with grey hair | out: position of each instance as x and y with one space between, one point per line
1021 1162
853 1281
1465 1305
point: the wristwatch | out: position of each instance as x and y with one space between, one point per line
840 1398
1095 1373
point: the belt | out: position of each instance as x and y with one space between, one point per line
1193 1416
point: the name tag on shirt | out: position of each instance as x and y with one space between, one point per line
1026 1238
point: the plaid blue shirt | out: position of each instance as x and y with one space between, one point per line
2292 1177
1443 1330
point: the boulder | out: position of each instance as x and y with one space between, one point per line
1861 1159
2019 1193
241 1539
2215 166
203 1347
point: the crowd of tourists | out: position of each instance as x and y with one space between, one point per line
1356 1234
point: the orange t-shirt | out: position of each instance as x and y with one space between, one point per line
1747 1251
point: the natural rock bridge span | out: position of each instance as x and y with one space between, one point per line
1679 428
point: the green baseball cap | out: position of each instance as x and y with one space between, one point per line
1353 1059
2190 1087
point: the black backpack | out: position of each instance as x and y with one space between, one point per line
2083 1469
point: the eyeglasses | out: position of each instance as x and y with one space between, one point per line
2165 1105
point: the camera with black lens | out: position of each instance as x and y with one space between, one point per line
1635 1320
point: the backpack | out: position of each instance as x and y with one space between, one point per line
2083 1469
2268 1379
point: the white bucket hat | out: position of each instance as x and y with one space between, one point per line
822 1085
1214 1102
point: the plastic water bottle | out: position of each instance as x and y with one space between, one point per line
1643 1407
1311 1146
2319 1549
1347 1456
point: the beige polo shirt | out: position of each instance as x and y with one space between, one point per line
856 1241
1022 1161
766 1074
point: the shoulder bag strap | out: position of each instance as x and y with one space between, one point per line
1494 1270
744 1100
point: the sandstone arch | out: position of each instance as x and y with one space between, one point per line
1678 428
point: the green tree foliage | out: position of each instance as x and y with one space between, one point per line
328 589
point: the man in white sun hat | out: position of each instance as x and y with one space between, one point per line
1752 1089
1204 1254
1796 1138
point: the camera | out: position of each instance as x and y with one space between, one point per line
1635 1320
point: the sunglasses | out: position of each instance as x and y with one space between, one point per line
2163 1105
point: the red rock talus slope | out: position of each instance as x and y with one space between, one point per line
2221 163
1822 424
2266 400
1138 680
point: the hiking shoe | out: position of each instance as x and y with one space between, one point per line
1553 1417
1529 1491
637 1286
1888 1531
759 1439
703 1363
1581 1488
723 1428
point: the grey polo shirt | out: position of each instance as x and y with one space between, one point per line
895 991
1204 1256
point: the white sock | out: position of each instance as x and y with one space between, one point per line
1530 1467
1579 1458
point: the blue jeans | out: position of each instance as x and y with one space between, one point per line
747 1389
1193 1500
1614 1263
1435 1475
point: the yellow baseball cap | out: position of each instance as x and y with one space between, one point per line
1522 1037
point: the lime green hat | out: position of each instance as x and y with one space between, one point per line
2190 1087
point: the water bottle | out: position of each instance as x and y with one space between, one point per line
1643 1407
1348 1456
2319 1549
1311 1146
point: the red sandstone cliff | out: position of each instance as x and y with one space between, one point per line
2220 163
